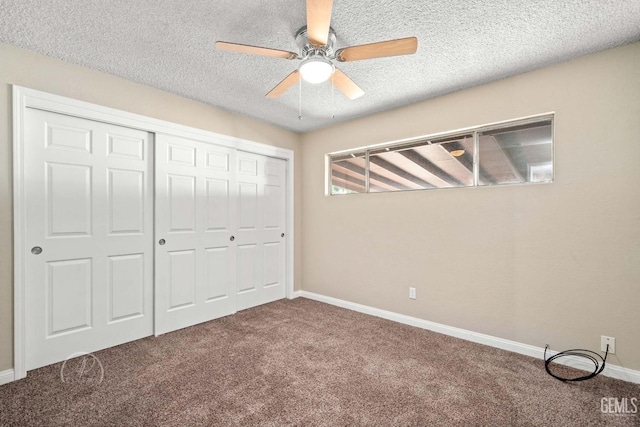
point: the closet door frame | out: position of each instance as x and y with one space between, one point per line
24 98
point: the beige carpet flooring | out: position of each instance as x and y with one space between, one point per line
305 363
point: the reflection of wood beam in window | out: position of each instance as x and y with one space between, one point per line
354 184
399 172
347 174
510 161
358 174
525 146
496 161
466 160
377 185
348 170
410 185
374 178
429 166
340 179
397 159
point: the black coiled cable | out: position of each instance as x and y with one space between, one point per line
598 361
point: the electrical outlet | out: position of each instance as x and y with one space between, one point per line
608 340
412 293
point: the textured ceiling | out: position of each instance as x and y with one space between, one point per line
169 44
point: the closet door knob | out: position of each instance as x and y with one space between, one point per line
162 242
282 235
232 238
36 250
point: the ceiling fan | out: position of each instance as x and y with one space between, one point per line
317 54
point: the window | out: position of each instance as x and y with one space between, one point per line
348 173
511 153
516 154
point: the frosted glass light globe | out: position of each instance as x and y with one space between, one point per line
316 70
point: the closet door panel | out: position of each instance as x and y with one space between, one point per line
88 236
195 219
261 205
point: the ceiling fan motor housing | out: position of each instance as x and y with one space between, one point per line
308 50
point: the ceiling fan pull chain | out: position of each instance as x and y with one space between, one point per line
300 102
333 106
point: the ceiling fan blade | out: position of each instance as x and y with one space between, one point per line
346 85
318 21
284 85
255 50
404 46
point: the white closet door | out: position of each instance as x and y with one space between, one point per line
195 218
89 265
260 235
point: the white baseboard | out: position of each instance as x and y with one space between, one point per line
612 371
296 294
6 376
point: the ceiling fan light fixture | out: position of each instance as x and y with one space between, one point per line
316 70
457 153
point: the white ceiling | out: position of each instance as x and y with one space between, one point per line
169 44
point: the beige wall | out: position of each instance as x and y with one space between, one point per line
552 263
35 71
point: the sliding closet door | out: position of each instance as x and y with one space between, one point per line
261 225
88 236
195 219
